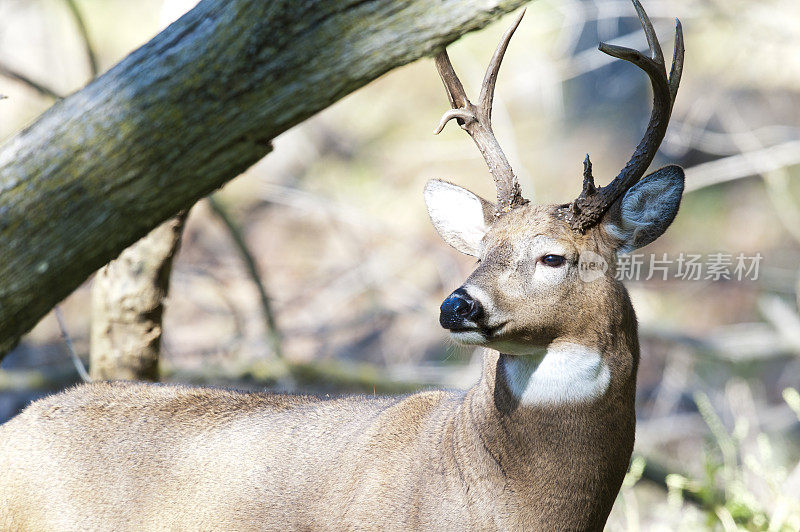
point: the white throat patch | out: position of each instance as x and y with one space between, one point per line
564 373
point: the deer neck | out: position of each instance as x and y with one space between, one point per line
555 427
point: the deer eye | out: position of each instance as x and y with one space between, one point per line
554 261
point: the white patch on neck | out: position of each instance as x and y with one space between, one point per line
564 373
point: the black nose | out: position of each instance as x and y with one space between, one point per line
458 308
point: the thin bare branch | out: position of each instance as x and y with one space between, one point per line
91 56
70 347
42 89
252 269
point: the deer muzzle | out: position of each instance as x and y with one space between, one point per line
460 312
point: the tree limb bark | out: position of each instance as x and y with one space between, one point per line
179 117
128 306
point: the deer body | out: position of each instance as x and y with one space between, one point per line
144 457
541 442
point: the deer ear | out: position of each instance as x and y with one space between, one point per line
460 217
647 209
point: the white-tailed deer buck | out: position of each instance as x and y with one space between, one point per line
541 442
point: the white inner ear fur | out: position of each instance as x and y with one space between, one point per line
458 216
563 373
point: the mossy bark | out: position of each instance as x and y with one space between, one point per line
179 117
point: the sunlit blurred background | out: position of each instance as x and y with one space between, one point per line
335 221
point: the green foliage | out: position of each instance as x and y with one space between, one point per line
744 486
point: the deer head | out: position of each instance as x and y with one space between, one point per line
538 280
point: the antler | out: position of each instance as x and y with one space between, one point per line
594 202
477 121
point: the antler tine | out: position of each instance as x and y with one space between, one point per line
477 121
589 207
461 106
677 62
490 78
455 90
650 33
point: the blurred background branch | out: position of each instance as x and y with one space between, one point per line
91 56
253 270
42 89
